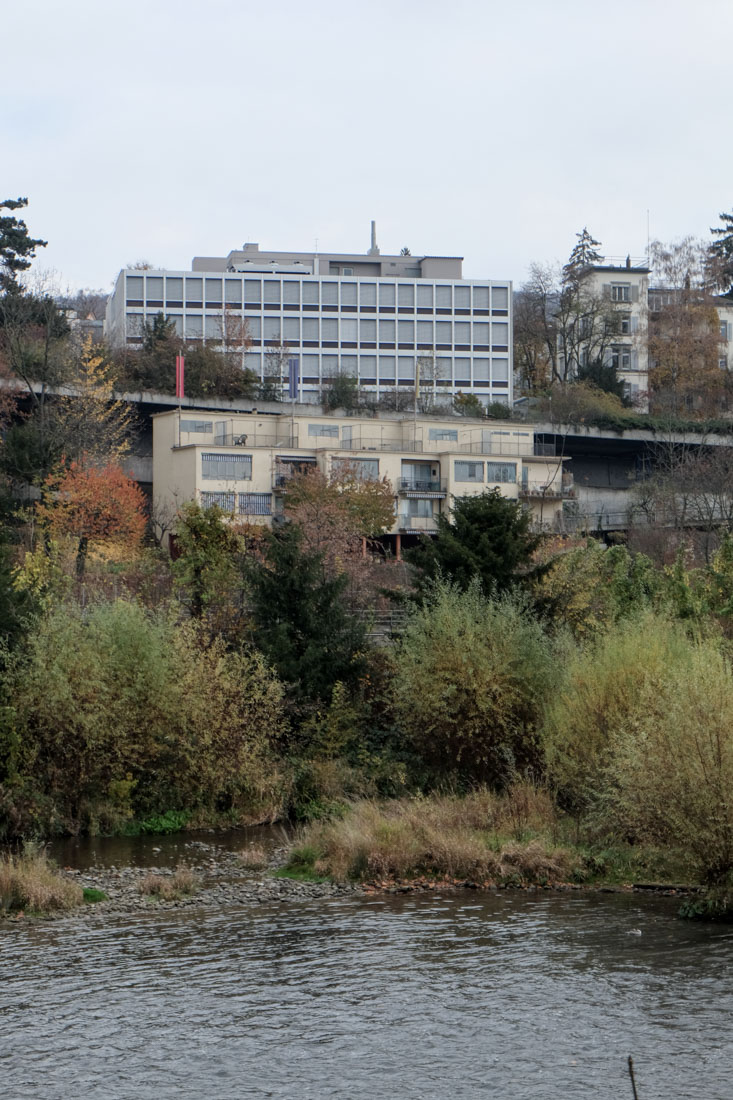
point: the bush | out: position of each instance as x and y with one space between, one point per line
471 674
642 737
119 713
29 881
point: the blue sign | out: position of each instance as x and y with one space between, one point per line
294 377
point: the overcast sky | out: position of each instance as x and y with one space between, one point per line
490 129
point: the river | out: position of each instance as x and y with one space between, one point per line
508 995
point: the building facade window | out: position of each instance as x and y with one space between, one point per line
364 469
504 473
469 471
226 467
327 430
225 501
254 504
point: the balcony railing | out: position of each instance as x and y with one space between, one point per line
546 492
417 525
253 439
416 486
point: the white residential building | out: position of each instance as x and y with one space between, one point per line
244 462
377 318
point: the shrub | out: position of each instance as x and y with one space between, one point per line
471 674
643 738
119 712
169 887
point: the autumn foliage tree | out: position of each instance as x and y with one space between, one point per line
94 504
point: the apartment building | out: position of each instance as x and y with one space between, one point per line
614 311
244 462
390 322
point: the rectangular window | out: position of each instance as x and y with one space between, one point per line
620 292
291 329
462 296
213 293
213 328
233 291
368 294
331 431
368 331
271 328
386 366
174 290
413 508
154 288
194 327
134 286
449 434
406 295
462 332
723 330
291 293
252 291
481 370
225 467
272 292
469 471
387 332
348 294
499 333
329 367
406 332
500 370
254 324
503 472
499 297
329 329
310 328
225 501
443 332
386 294
424 296
364 469
348 365
348 330
329 294
310 294
443 297
253 362
204 427
480 332
194 290
254 504
424 331
481 297
625 324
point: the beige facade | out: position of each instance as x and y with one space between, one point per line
624 291
244 462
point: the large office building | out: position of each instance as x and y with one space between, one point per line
384 320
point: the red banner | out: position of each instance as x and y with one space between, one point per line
179 376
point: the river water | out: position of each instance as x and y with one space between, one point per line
508 995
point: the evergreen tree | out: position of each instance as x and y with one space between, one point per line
721 251
488 537
604 377
584 253
300 619
17 247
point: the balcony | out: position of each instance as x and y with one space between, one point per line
431 488
553 491
417 525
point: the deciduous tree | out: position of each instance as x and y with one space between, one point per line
94 504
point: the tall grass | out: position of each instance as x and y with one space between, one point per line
475 837
28 881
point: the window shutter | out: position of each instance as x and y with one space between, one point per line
634 294
634 324
606 290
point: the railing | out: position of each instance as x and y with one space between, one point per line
547 492
421 485
253 439
417 524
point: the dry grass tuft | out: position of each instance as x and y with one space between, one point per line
169 887
253 857
29 881
446 836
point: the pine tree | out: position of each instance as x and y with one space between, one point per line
721 251
584 253
17 247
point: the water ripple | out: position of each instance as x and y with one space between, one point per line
508 995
